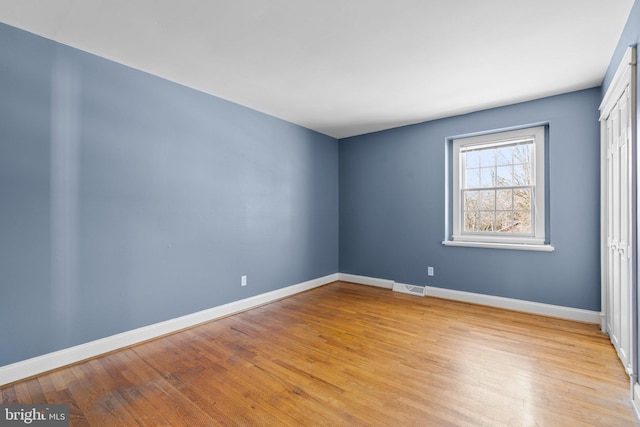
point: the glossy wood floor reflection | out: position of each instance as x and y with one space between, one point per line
346 354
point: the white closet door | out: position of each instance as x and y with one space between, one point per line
619 227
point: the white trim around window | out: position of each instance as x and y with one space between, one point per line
498 192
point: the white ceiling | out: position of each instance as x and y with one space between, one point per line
346 67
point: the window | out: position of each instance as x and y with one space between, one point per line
499 190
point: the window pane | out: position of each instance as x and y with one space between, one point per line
522 222
472 178
471 200
487 157
472 159
521 174
522 199
471 221
486 221
486 177
504 177
486 200
504 155
504 200
504 221
522 153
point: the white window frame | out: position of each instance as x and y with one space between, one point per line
536 240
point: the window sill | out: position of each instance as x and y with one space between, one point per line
511 246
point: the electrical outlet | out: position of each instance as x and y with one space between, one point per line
243 281
430 271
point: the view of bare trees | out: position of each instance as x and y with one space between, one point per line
498 187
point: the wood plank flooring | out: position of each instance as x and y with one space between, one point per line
347 354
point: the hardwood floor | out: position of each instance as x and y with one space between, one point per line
347 354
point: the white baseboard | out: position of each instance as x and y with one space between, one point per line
562 312
603 323
364 280
568 313
636 399
37 365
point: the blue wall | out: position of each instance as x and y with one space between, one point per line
392 207
127 200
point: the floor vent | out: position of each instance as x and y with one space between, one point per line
409 289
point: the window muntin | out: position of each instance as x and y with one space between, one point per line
498 191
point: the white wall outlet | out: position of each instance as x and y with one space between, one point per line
430 271
243 281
